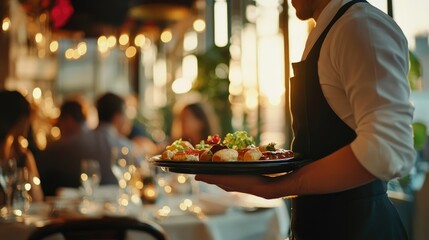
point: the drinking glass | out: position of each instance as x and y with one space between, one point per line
124 168
8 175
122 165
90 176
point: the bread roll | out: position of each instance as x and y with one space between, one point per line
225 155
252 155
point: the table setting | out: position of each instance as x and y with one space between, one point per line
193 210
164 191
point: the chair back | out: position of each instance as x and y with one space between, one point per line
107 228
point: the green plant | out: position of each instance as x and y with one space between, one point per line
213 83
415 71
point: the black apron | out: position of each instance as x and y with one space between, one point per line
362 213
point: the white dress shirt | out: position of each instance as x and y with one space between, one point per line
363 68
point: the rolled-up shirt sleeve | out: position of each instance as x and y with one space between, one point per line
371 67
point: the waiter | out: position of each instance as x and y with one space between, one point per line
352 115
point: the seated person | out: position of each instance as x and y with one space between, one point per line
15 112
194 122
72 119
59 164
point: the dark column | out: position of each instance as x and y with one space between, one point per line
4 44
390 8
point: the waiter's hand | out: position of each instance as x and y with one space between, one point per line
262 186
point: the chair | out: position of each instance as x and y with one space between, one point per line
106 228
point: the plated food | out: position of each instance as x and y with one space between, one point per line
235 147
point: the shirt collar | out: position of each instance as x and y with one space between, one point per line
322 22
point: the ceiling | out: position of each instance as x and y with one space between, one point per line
95 16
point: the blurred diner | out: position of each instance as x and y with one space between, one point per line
193 121
60 163
15 115
72 119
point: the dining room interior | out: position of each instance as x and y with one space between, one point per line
230 60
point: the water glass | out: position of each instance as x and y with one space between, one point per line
8 176
21 198
124 168
90 176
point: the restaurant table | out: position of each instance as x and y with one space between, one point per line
222 217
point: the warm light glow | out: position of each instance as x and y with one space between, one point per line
125 150
267 23
139 41
183 206
235 51
220 23
124 39
41 139
69 53
53 46
139 184
271 77
17 212
190 67
181 85
127 176
252 99
135 199
36 181
6 24
164 211
102 40
190 42
235 74
82 48
122 183
160 73
123 202
102 44
37 93
181 179
27 186
161 182
76 54
199 25
84 177
221 71
168 189
55 132
249 68
23 142
166 36
149 192
122 163
111 41
130 52
38 37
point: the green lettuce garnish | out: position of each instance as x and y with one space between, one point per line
238 140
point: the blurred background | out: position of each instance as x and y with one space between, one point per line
235 55
161 55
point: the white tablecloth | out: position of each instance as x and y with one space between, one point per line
236 223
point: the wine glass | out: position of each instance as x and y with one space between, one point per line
90 176
122 165
124 169
8 175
